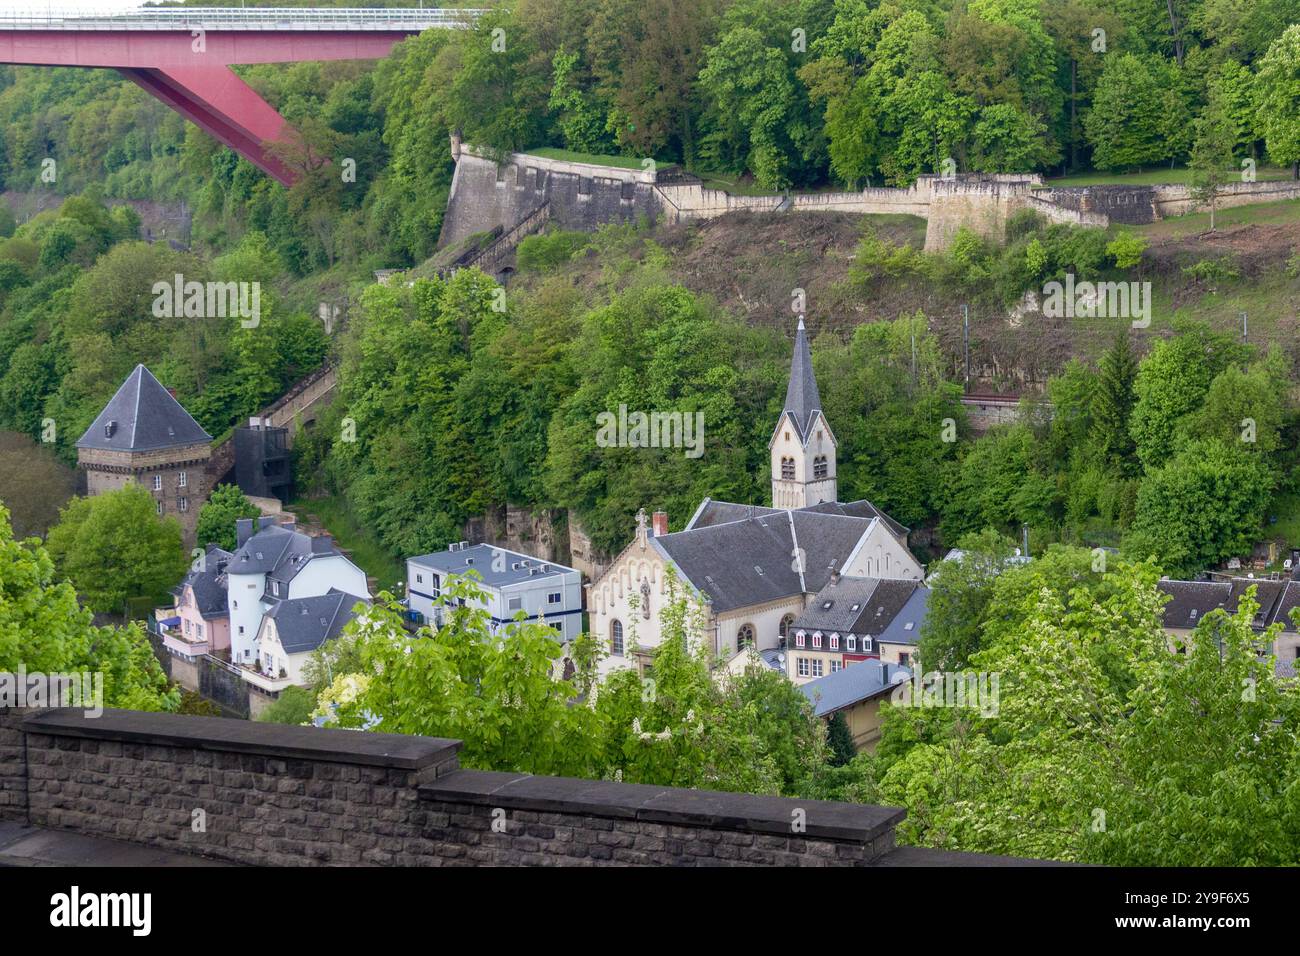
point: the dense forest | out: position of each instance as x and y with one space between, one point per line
458 404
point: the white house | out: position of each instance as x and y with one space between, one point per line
511 582
749 571
271 565
292 629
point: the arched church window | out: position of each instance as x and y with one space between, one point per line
786 623
787 469
616 637
819 467
745 637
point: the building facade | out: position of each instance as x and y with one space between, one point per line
512 583
144 435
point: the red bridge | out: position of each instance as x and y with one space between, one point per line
183 56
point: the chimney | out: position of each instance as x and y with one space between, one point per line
243 531
322 544
660 523
835 577
265 521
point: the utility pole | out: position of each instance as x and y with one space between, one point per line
1243 326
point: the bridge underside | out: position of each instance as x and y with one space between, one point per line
194 78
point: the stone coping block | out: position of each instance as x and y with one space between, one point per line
821 819
396 751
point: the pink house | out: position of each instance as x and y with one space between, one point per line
200 622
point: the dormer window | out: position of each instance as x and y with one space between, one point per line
817 639
852 643
799 639
835 642
111 427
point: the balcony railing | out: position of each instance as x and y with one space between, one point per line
264 681
239 18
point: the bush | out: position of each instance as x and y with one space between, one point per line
293 706
1126 249
876 259
1210 272
548 251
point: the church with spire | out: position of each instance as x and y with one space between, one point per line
802 446
753 573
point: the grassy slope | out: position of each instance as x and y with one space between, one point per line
362 547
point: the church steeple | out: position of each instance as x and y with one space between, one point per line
802 401
802 447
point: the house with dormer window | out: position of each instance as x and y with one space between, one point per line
273 565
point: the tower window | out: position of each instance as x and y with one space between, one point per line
787 469
820 469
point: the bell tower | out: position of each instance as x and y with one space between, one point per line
802 447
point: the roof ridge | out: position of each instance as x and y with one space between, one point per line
794 539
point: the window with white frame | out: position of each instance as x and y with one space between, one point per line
800 639
516 603
183 480
835 642
817 639
555 597
183 504
803 667
837 666
157 482
817 667
852 642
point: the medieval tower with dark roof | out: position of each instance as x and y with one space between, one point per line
802 446
144 435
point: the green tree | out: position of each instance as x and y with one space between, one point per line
1125 124
960 591
1172 382
114 547
1112 405
1203 506
1278 85
293 706
503 697
217 517
840 740
44 629
1211 161
1105 747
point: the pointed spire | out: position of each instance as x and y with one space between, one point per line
802 400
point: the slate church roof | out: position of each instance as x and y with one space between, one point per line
142 416
802 400
753 560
